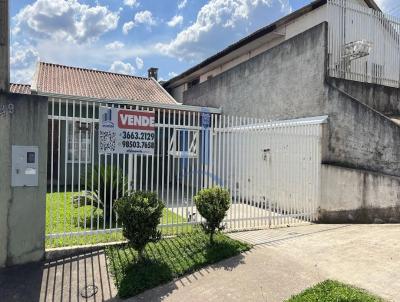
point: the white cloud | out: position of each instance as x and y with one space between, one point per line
94 54
131 3
23 62
182 4
172 74
64 20
139 63
143 17
115 45
221 22
127 27
175 21
121 67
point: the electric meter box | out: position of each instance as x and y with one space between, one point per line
25 168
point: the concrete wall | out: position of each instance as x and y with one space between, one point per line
381 98
360 137
286 81
350 195
22 209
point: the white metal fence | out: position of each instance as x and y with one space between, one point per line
271 170
363 44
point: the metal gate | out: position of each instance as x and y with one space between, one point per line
271 170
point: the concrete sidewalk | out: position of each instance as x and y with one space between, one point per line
283 262
286 261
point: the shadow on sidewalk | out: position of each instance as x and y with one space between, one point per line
61 280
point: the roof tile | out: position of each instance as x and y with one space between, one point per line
20 88
73 81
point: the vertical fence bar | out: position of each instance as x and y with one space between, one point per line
193 167
199 169
187 161
86 162
58 165
79 160
168 164
51 206
92 165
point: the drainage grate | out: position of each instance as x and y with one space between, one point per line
89 291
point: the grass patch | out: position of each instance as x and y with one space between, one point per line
334 291
63 216
167 259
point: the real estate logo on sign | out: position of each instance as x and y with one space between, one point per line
125 131
106 119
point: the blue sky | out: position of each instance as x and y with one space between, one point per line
129 36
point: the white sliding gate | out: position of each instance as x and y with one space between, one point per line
272 170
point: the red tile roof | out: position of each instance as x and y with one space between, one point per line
20 88
80 82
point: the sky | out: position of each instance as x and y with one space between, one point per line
130 36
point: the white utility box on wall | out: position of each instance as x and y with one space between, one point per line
25 167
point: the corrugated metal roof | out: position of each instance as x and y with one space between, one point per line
73 81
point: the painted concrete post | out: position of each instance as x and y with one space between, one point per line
23 121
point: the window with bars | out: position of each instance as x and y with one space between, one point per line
79 142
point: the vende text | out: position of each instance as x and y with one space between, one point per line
136 120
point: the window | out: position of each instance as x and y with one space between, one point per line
184 143
80 133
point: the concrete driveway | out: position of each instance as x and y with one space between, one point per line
283 262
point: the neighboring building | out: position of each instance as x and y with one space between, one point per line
332 57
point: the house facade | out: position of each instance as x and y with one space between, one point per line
335 58
74 96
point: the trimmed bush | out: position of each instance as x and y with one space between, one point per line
140 214
212 204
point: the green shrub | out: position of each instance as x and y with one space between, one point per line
140 214
212 204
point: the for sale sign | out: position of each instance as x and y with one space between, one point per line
126 131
